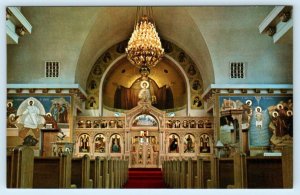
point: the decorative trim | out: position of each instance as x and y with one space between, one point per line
20 18
250 89
44 88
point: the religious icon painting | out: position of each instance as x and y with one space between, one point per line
191 70
196 102
204 143
84 143
173 143
60 109
99 143
115 143
196 85
189 143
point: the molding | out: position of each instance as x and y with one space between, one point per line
270 19
20 18
247 89
46 88
10 33
282 31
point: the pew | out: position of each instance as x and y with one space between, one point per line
26 171
20 167
97 172
8 170
52 172
203 172
264 172
237 172
80 176
225 171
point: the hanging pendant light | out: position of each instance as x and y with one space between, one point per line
144 47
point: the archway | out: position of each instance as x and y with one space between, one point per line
176 70
144 150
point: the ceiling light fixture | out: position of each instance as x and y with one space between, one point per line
144 48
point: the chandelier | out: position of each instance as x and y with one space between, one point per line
144 48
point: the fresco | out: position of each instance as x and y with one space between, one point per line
58 107
145 120
269 119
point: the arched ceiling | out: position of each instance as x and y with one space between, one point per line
116 24
165 73
211 36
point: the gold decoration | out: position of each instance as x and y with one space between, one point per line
144 47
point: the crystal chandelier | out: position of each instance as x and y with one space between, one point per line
144 47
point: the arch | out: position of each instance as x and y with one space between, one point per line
149 120
167 22
112 64
180 60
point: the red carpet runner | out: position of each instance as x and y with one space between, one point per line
145 178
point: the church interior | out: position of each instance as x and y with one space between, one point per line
202 96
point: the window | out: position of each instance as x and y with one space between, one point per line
52 69
237 70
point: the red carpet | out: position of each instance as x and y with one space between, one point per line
145 178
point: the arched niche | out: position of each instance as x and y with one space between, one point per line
113 67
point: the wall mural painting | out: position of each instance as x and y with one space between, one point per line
197 103
204 143
30 114
173 143
173 51
147 91
145 120
196 89
269 119
100 143
84 143
36 112
189 143
115 143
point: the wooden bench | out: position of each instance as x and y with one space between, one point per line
20 167
52 172
80 176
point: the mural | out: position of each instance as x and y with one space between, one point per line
144 120
34 112
189 143
268 118
117 50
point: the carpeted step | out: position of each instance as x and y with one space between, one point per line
145 178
